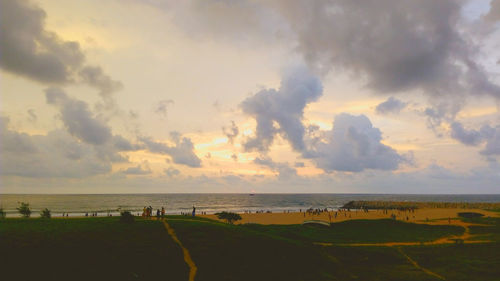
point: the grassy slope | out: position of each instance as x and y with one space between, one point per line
276 252
104 249
88 249
467 262
361 231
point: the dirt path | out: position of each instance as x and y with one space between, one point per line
416 265
445 240
465 238
187 256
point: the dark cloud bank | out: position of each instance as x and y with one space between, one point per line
31 51
393 46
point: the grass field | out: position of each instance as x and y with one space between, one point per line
105 249
87 249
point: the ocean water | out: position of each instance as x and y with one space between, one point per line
79 204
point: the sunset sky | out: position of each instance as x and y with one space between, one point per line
139 96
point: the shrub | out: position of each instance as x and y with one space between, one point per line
127 217
470 215
228 216
24 209
2 213
45 214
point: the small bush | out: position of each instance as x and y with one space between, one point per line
228 216
127 217
45 214
24 209
470 215
2 213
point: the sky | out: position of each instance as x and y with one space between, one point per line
250 96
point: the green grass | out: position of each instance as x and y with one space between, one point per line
470 262
286 252
88 249
361 231
105 249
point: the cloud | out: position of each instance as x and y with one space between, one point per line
138 170
492 136
472 137
182 152
467 137
417 45
78 119
299 164
172 172
123 144
494 14
396 46
161 107
83 124
283 169
444 111
95 77
354 145
32 117
56 154
391 105
281 111
31 51
231 132
234 157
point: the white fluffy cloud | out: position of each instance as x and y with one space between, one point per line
354 145
281 111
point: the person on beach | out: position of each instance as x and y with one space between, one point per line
158 214
144 211
162 212
194 211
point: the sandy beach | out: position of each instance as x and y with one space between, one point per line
429 215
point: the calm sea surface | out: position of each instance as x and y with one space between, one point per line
77 205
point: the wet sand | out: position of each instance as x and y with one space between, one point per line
430 216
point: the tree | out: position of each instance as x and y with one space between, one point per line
24 209
127 217
228 216
45 214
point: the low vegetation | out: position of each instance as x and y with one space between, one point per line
24 209
45 214
470 215
127 217
228 217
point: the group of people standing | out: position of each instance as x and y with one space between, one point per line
148 212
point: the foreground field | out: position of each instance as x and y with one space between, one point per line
105 249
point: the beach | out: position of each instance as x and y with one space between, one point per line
427 215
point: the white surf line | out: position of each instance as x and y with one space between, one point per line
187 256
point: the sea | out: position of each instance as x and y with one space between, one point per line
113 204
